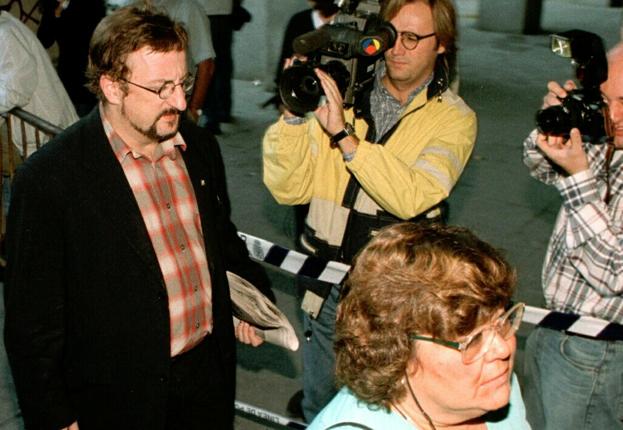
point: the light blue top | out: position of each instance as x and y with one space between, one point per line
345 407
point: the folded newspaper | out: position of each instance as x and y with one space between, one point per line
250 305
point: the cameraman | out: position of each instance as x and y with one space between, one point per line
575 381
399 161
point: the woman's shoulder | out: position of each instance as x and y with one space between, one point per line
347 412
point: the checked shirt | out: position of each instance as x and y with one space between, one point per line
583 269
168 206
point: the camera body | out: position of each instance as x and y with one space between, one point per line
583 108
347 49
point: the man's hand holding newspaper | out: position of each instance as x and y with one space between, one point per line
250 305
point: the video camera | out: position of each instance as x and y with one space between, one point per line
346 49
583 107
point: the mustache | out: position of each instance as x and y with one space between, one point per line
171 111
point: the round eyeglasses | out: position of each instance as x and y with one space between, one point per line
477 344
168 87
410 40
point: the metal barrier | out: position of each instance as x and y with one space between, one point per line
24 14
22 129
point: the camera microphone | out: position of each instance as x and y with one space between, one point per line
310 42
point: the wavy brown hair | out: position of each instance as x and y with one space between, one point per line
125 31
429 279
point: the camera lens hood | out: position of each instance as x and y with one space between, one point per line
300 89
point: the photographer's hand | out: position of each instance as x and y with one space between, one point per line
556 93
330 114
568 154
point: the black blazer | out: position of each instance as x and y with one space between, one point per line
86 304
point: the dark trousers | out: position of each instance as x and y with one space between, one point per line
196 396
197 393
217 107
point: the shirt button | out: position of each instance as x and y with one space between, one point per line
182 247
197 324
168 205
196 288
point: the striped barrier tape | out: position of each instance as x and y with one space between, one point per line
268 416
298 264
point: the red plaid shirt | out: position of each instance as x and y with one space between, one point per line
168 205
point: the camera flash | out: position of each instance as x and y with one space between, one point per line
561 46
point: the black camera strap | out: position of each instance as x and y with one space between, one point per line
609 154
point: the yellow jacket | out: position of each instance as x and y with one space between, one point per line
415 170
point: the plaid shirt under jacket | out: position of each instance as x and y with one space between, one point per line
583 269
168 205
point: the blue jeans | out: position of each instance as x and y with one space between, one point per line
319 358
10 415
573 382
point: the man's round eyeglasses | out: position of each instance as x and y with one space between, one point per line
477 344
168 87
410 40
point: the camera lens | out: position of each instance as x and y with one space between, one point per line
300 89
554 120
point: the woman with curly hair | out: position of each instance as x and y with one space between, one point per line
426 335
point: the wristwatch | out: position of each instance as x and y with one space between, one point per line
348 131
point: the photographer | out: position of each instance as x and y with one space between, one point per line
398 160
574 381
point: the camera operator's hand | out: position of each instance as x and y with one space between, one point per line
556 93
331 114
568 154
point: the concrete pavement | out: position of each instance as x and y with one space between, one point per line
503 78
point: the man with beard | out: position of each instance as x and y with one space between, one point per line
395 156
117 305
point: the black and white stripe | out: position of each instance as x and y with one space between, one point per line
295 262
331 271
268 415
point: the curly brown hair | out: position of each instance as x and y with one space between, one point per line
125 31
430 279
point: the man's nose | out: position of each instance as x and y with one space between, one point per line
615 110
178 98
398 48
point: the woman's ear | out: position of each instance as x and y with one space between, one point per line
441 49
412 366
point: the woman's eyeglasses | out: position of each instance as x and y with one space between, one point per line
477 344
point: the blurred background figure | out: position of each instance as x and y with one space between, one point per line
201 50
425 335
225 16
29 80
70 23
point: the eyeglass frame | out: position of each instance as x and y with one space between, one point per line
401 36
462 346
186 85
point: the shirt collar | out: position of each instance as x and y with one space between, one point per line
122 150
381 71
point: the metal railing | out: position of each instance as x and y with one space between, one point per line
23 129
25 13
